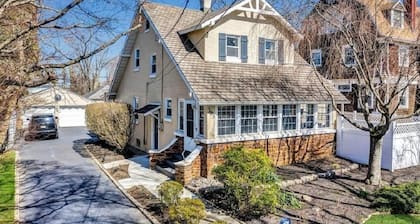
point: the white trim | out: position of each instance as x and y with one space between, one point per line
406 93
344 55
233 58
153 74
179 130
168 118
403 62
348 90
173 141
136 57
152 142
275 61
261 136
393 11
316 51
266 9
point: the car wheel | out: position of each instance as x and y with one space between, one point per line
56 136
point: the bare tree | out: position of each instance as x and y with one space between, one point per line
31 42
381 75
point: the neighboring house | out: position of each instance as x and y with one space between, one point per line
204 81
67 106
99 94
397 24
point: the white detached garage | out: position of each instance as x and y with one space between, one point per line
67 106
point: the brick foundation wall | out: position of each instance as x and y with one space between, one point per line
186 173
283 151
158 157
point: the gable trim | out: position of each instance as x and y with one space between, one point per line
261 7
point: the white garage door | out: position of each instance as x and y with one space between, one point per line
71 117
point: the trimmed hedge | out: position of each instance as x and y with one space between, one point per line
110 122
402 199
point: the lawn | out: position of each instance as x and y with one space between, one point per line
394 219
7 187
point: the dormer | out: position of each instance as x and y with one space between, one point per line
249 32
397 13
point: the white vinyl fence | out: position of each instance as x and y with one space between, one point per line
401 145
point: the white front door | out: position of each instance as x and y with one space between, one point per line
189 143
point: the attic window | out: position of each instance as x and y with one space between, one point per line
147 26
397 18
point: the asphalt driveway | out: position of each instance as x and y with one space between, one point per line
60 184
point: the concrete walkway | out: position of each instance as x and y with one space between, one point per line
140 174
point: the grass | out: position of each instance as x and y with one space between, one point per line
394 219
7 187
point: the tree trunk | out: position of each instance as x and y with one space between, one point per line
375 157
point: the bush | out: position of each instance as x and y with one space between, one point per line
170 192
110 122
187 210
251 181
402 199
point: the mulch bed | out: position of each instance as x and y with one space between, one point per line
105 154
152 204
299 170
120 172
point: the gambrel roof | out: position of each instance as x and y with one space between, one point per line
232 83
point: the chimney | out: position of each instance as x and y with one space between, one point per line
205 5
411 6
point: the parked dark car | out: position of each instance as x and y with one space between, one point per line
43 126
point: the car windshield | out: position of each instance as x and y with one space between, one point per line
44 122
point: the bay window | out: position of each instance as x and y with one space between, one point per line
324 115
270 118
289 117
249 119
226 120
307 116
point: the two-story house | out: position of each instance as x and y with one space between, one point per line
386 34
202 81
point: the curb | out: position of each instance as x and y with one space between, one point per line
152 219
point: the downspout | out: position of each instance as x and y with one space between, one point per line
162 107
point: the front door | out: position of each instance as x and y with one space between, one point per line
155 133
189 144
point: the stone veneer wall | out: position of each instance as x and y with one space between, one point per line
282 151
174 149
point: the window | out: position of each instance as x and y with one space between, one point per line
345 88
137 59
232 48
181 115
270 118
153 66
397 18
201 125
307 116
316 57
404 99
249 119
348 56
324 115
270 52
403 56
168 108
226 120
147 26
289 117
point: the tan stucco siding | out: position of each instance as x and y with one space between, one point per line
138 83
252 26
